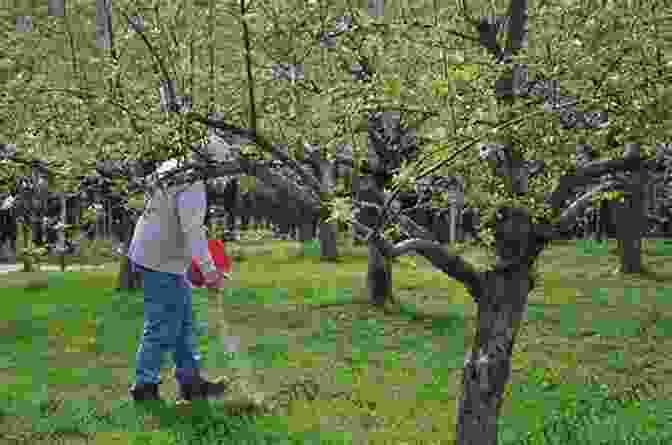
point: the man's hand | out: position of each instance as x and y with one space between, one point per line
215 279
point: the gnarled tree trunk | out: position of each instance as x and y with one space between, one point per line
487 367
501 295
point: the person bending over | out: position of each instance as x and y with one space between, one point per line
167 235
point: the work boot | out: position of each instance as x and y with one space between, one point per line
191 386
145 391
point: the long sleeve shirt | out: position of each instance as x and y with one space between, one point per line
170 231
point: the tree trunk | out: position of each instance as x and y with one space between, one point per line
632 224
327 235
27 263
487 368
100 226
9 231
38 236
56 8
327 231
379 273
284 228
379 277
306 231
61 233
244 220
128 281
501 295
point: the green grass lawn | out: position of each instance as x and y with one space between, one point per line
340 370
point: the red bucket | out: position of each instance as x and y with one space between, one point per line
218 254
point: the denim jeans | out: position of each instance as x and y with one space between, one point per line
168 326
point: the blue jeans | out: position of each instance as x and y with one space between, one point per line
168 326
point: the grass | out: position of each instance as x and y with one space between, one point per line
342 371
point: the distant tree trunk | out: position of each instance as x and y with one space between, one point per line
306 230
56 8
379 277
38 235
231 220
356 179
103 24
27 264
328 231
245 220
61 233
632 224
284 227
128 280
8 234
306 227
327 235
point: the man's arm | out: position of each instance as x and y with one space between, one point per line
191 208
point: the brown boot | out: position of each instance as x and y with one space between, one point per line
191 386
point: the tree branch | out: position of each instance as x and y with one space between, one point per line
587 175
569 216
452 265
262 142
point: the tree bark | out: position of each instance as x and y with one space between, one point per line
244 220
9 234
38 238
27 263
56 8
328 231
61 233
306 230
128 281
487 367
378 277
633 224
328 247
379 273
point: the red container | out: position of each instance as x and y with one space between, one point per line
218 254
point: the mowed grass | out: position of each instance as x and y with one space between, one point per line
343 371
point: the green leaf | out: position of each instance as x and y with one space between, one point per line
464 72
440 87
392 87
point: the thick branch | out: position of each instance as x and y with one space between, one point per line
587 175
569 216
414 229
452 265
262 142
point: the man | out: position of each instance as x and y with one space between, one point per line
167 235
